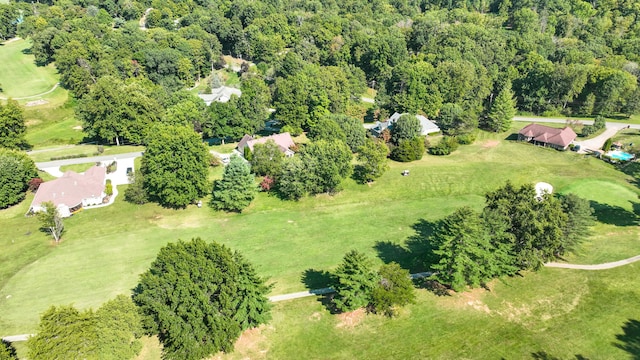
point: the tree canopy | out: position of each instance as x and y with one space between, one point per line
12 126
198 296
236 189
174 166
16 169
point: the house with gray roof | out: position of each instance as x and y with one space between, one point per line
428 126
222 94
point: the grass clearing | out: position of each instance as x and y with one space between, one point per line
104 250
44 155
79 168
20 76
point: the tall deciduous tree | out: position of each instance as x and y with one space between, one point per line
119 326
254 102
394 289
353 130
12 126
51 221
237 188
267 159
326 129
16 170
355 279
406 127
372 158
328 163
293 181
197 297
502 111
174 166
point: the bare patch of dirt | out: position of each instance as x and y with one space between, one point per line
316 316
470 298
36 103
351 319
77 127
490 144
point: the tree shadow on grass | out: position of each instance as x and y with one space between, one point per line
320 279
630 340
317 279
543 355
416 254
615 215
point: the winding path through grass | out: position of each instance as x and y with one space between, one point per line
605 266
34 96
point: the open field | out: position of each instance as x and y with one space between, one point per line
20 76
105 249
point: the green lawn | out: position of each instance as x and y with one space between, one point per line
20 76
89 150
79 168
105 249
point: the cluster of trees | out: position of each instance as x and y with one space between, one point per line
12 126
466 64
16 170
357 285
198 297
111 332
516 230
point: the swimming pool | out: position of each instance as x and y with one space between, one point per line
620 155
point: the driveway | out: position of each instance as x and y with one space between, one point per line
596 143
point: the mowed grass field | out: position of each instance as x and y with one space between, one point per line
561 312
20 76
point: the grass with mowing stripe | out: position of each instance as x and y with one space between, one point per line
20 76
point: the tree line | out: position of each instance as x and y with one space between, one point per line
452 60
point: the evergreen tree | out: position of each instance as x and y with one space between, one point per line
237 188
64 332
464 251
12 126
394 288
252 306
502 111
355 279
197 297
372 157
579 220
7 351
174 166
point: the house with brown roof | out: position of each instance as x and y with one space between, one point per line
284 142
72 191
547 136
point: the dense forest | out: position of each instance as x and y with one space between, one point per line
128 62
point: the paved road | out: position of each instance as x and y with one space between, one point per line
564 120
85 160
13 338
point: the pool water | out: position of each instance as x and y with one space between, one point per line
620 155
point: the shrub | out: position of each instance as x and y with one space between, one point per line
135 192
408 150
607 145
108 188
100 149
72 156
446 146
267 183
111 168
587 130
466 139
34 184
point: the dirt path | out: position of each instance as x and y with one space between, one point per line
33 96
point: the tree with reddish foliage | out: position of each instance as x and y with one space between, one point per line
34 184
267 183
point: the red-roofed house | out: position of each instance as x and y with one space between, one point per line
284 142
72 191
547 136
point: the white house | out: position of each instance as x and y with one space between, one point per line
222 94
428 126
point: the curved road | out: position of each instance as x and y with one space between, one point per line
605 266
